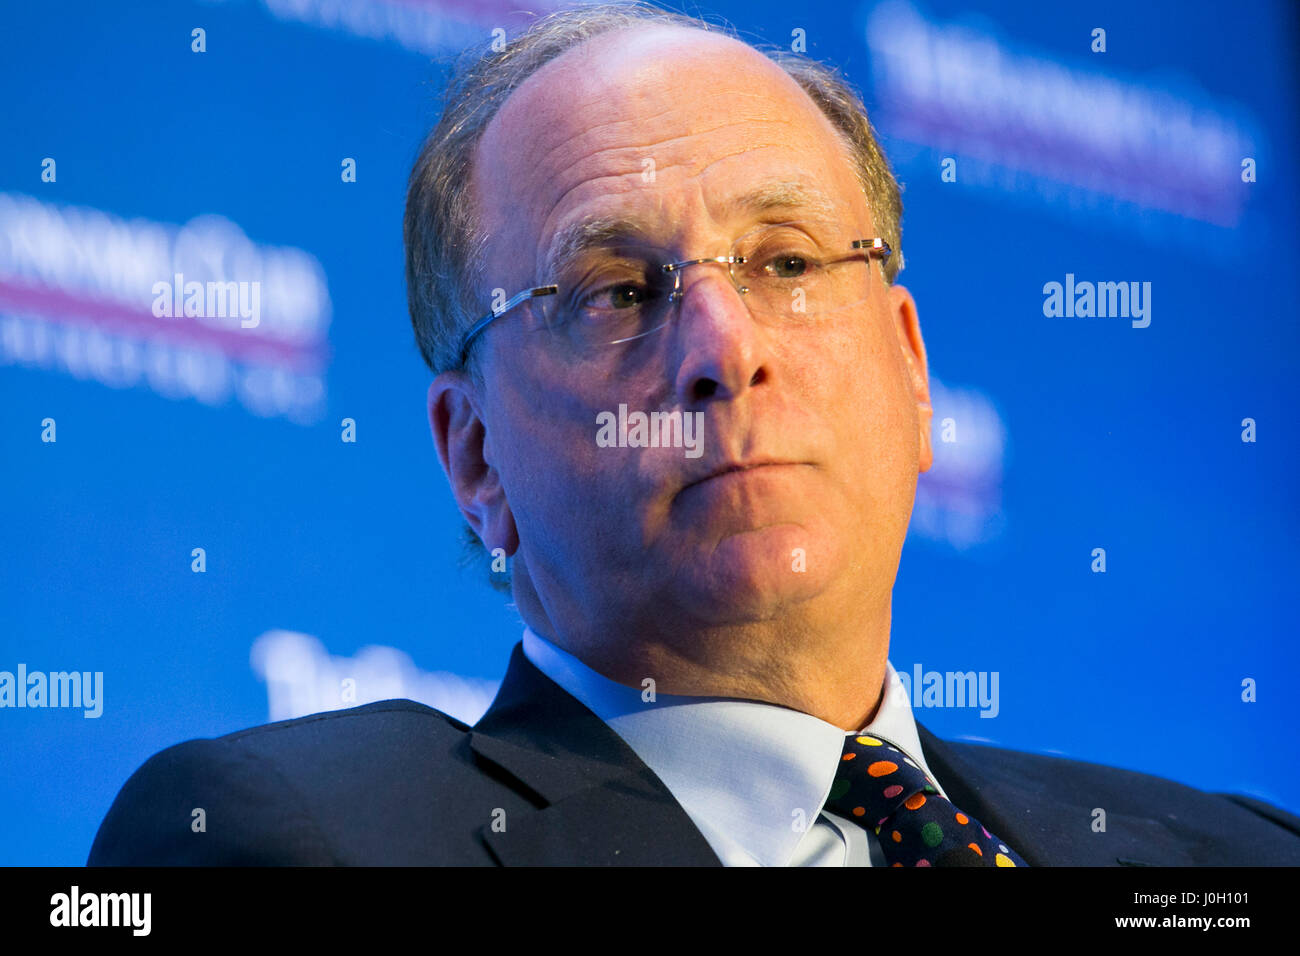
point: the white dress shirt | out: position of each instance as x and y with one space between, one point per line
753 777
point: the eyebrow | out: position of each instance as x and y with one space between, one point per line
576 238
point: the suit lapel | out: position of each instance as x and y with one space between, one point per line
1040 816
597 802
1003 809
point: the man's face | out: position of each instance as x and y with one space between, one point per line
828 411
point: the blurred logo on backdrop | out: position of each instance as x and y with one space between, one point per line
959 500
423 26
303 678
191 312
1032 127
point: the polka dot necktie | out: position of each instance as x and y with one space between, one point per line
878 786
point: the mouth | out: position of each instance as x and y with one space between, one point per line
735 468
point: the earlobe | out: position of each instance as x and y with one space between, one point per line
460 436
908 326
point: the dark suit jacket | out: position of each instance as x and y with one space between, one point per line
542 780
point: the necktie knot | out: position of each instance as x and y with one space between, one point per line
876 778
883 789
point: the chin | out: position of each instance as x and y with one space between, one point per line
752 575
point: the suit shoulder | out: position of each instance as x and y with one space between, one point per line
1005 761
1268 811
352 727
386 738
265 795
1210 821
1057 768
204 802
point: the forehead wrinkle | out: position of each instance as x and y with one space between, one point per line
798 190
636 107
663 144
622 121
734 118
641 149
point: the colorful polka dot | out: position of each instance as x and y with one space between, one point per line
859 811
840 787
892 791
1003 860
869 742
962 818
882 768
932 834
915 802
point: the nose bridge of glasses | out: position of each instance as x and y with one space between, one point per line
675 270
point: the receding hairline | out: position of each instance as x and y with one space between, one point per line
641 30
574 237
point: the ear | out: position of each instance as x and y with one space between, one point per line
460 434
908 328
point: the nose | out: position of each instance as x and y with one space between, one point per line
721 349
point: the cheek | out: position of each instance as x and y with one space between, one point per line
860 383
553 473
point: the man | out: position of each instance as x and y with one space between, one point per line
621 215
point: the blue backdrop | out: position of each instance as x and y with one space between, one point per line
273 147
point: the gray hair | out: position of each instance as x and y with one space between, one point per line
445 245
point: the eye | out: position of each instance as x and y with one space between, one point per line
616 297
787 266
622 296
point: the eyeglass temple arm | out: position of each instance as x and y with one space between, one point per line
495 314
874 246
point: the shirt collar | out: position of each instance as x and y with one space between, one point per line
745 772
